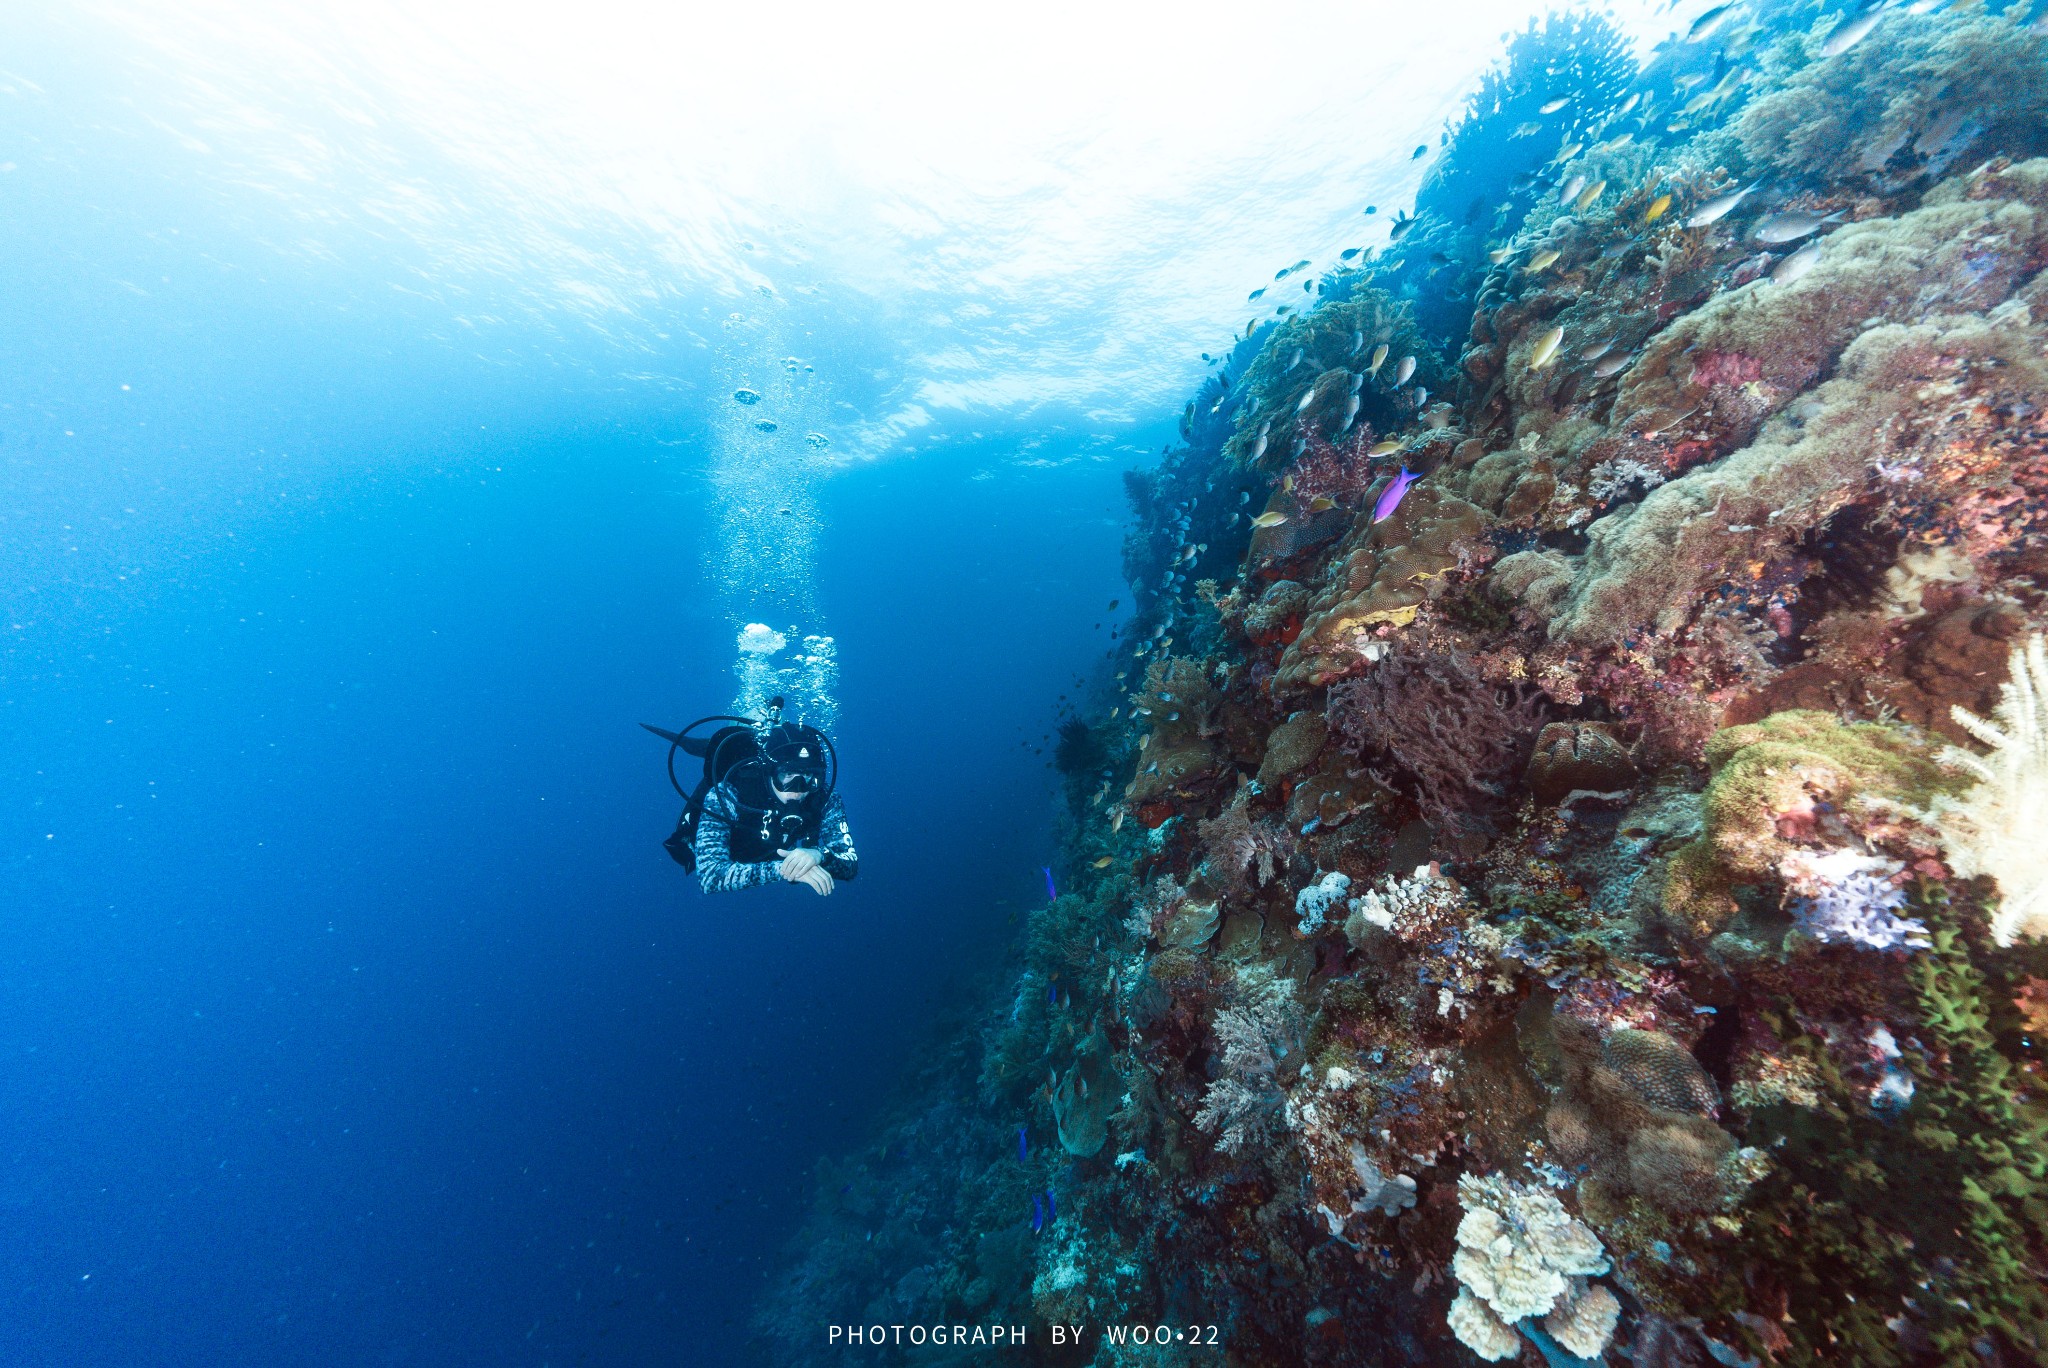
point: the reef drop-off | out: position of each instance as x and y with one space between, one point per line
1591 904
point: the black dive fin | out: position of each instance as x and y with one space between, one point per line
699 746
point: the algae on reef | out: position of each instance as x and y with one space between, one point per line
1596 911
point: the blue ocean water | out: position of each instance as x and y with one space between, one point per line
350 1011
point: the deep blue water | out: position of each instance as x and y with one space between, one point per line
352 1012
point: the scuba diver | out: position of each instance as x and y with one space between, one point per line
767 808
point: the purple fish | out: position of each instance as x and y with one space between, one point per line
1037 1215
1390 497
1052 1212
1052 994
1023 1146
1051 894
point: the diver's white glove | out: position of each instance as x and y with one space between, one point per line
797 864
820 881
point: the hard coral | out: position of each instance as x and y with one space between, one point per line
1379 576
1521 1254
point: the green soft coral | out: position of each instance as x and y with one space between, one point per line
1971 1109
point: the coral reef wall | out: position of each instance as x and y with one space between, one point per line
1558 872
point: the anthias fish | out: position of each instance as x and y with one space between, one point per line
1390 497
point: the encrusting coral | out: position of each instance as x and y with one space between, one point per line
1584 899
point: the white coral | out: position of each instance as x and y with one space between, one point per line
1479 1330
1995 828
1521 1254
1584 1321
1410 908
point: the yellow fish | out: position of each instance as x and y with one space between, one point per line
1543 259
1386 448
1269 520
1656 209
1589 194
1545 348
1287 483
1570 150
1321 503
1379 358
1500 254
1102 863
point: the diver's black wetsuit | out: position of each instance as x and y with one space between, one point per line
734 852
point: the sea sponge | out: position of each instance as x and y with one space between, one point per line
1996 828
1776 780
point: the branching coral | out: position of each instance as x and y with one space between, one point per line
1241 846
1259 1031
1456 737
1414 909
1999 827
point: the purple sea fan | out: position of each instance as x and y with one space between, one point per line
1458 738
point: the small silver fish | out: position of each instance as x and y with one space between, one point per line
1596 350
1403 371
1306 399
1297 359
1553 106
1850 34
1350 412
1357 341
1718 208
1630 103
1569 191
1421 396
1790 226
1259 447
1612 365
1797 264
1704 26
1357 383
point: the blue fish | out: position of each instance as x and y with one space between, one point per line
1037 1216
1390 497
1051 894
1052 1211
1023 1146
1052 995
